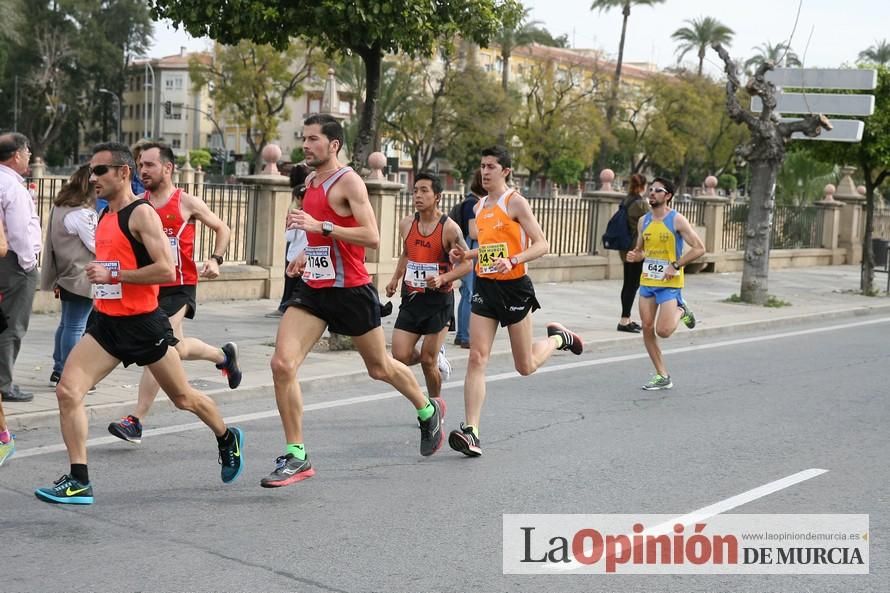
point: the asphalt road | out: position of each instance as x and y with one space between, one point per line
578 438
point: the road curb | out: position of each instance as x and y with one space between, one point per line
101 414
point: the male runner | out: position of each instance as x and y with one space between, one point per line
426 274
132 258
660 248
335 292
509 237
178 211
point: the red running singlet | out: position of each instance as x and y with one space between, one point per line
181 236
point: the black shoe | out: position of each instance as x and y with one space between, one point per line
54 379
631 328
465 441
230 367
16 395
66 490
127 429
431 434
570 340
230 457
288 470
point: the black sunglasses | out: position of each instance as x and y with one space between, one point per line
100 170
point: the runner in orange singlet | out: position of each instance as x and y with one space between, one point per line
509 237
132 258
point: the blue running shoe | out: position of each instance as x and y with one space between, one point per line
66 490
230 457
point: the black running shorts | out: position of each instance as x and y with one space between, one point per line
347 311
141 339
173 298
424 316
508 301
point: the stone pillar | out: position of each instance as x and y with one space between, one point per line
186 174
271 154
606 205
266 233
850 229
831 221
715 207
199 180
381 262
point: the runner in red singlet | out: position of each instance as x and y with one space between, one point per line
132 257
426 274
179 213
335 293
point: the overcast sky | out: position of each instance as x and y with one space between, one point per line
837 30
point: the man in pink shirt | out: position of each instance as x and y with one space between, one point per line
18 269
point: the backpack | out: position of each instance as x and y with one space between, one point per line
456 213
618 235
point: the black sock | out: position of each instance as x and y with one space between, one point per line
79 472
225 440
134 419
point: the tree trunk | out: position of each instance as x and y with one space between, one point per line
367 130
603 156
868 256
505 81
757 232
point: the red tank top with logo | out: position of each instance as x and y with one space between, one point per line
331 263
426 257
181 237
118 249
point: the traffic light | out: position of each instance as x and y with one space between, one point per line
168 107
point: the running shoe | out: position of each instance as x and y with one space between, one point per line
230 367
465 441
570 340
658 382
688 317
631 328
288 470
54 379
127 429
444 364
7 450
230 457
431 430
66 490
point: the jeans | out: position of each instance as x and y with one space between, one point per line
466 293
75 312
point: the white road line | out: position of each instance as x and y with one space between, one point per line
455 384
717 508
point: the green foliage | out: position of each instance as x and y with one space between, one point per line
565 170
877 54
699 35
779 54
728 182
802 178
296 155
251 84
771 301
200 158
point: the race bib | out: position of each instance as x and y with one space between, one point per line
417 273
488 253
174 250
319 265
108 291
653 269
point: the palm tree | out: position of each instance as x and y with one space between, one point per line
515 33
879 53
699 36
602 6
779 54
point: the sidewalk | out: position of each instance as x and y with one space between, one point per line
589 308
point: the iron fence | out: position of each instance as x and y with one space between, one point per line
568 223
735 217
794 227
693 210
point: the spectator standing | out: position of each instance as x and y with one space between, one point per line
467 218
637 206
18 268
70 245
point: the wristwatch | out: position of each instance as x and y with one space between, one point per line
218 259
514 261
676 265
327 227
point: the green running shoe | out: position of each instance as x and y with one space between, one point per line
688 318
658 382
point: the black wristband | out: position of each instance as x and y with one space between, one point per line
218 259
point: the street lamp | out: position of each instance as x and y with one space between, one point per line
119 109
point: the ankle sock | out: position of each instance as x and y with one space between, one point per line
225 440
297 450
426 412
79 472
5 436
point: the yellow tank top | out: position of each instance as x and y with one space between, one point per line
662 244
499 236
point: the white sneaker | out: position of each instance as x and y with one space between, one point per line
444 365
